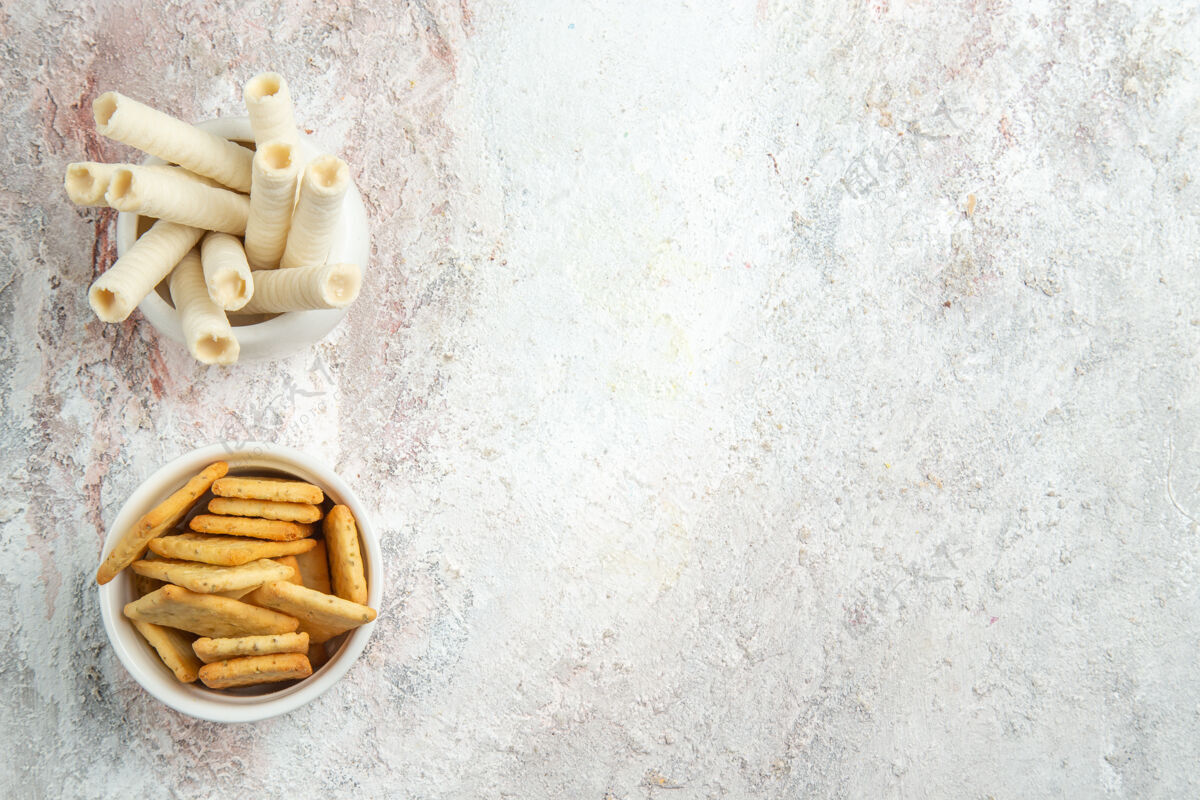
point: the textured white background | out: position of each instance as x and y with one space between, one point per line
757 399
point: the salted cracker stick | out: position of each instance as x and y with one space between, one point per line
210 650
272 197
224 550
291 563
173 647
226 272
270 106
115 294
314 568
253 670
173 140
345 558
322 616
318 209
213 578
169 196
304 288
269 489
317 656
206 329
158 520
207 614
273 529
267 509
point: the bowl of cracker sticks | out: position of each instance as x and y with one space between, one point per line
239 583
236 237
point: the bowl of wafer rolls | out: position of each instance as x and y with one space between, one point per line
239 583
237 237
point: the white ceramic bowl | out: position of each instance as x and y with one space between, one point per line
251 703
285 333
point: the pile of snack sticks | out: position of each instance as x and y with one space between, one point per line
237 231
247 577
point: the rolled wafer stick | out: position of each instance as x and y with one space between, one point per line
272 196
226 273
303 288
206 329
270 106
87 181
151 131
164 195
322 188
115 294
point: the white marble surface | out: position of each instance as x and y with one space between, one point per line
758 399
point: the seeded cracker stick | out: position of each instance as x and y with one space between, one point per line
169 196
276 174
226 273
322 188
274 529
206 329
224 550
270 106
254 670
317 656
172 140
115 294
174 648
207 614
345 559
160 519
291 563
323 616
267 509
269 489
210 650
211 578
304 288
314 568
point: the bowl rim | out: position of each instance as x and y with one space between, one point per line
291 331
144 665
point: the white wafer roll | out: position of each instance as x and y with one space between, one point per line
325 182
226 273
270 106
272 195
165 195
304 288
151 131
205 327
115 294
87 181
